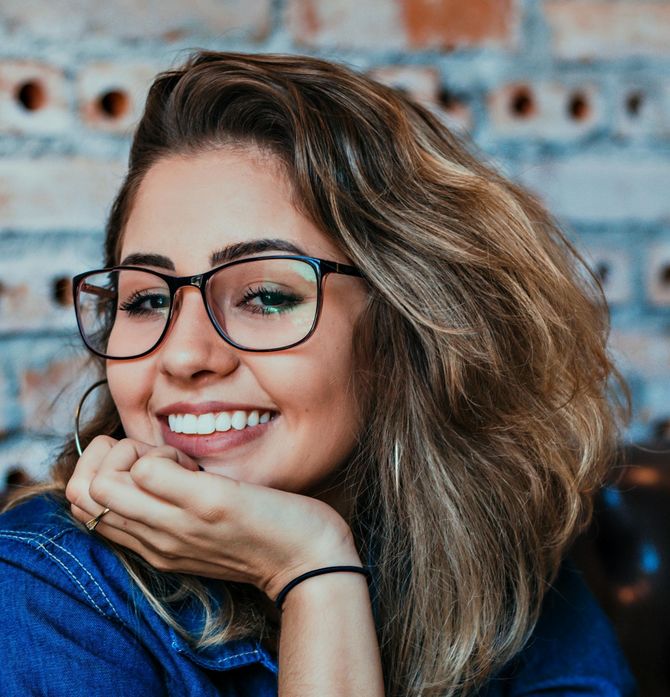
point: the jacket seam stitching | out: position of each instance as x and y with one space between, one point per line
81 565
31 539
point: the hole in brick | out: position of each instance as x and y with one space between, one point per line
634 103
16 477
61 291
114 104
447 99
602 272
31 95
578 107
662 429
664 274
522 104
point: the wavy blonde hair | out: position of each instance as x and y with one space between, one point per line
489 400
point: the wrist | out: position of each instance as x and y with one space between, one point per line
341 553
334 590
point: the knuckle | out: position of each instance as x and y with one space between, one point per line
98 489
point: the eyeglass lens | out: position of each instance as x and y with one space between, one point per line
261 304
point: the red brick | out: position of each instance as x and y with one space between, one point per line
409 24
57 193
597 29
451 23
33 98
164 19
552 110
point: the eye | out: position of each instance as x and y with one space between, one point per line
145 303
268 301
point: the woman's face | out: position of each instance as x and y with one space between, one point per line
187 209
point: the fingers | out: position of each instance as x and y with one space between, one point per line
101 478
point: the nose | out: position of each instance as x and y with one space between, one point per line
192 347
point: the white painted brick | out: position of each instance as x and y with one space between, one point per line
549 114
50 390
62 20
53 115
608 28
610 187
642 110
57 193
641 352
32 456
614 267
423 84
657 269
132 80
27 300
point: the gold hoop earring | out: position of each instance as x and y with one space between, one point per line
77 413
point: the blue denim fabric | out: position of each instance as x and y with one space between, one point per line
73 624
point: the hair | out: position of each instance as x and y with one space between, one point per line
469 489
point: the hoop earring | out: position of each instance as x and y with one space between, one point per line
77 442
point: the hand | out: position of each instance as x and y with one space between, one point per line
181 519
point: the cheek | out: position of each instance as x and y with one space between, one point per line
130 385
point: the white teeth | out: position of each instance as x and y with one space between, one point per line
205 424
238 420
190 424
223 421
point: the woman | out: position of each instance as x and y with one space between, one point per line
336 339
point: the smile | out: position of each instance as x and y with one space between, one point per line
204 424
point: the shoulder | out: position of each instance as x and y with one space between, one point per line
573 648
43 547
69 609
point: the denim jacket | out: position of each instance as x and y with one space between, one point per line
74 624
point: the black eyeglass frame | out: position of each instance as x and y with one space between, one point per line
322 268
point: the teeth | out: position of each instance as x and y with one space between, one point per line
223 421
205 424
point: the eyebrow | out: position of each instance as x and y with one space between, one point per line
221 256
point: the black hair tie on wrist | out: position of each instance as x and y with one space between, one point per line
317 572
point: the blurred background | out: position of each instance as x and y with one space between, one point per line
569 97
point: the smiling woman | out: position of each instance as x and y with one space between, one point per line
357 401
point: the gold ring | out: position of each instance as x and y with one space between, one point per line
91 524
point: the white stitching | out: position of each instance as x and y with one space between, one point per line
90 575
237 655
12 535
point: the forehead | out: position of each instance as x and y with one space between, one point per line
188 207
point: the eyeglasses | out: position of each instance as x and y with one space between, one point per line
265 303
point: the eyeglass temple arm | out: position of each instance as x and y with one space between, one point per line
97 290
336 267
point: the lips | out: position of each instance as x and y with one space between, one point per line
199 445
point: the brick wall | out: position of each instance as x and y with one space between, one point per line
571 97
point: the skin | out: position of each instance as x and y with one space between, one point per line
266 511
